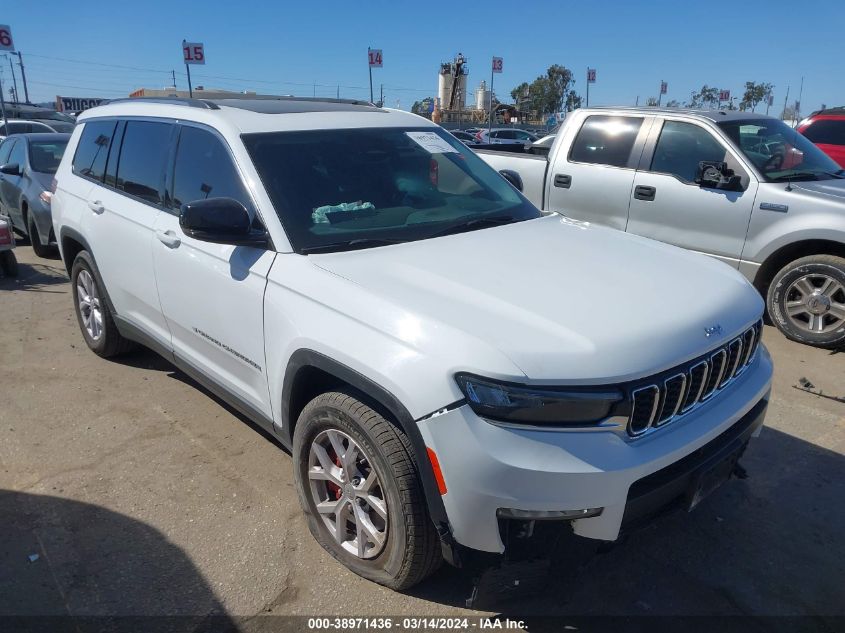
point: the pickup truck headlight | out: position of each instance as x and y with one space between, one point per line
540 406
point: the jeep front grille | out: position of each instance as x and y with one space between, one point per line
655 403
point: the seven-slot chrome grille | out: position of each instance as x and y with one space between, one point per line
659 403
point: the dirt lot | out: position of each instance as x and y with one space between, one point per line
142 494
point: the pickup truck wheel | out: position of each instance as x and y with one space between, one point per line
806 300
92 310
359 486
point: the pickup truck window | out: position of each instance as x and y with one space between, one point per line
354 188
606 140
681 147
780 152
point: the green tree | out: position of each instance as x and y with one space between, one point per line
548 93
754 94
651 102
707 97
674 103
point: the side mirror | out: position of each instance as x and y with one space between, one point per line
10 169
713 174
512 177
220 221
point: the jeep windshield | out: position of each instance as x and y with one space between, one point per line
779 152
360 188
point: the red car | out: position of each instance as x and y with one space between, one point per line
826 128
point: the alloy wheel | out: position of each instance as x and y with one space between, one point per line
816 303
89 304
347 494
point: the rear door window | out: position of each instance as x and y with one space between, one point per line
93 149
826 132
143 158
606 140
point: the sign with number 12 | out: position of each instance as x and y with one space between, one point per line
498 64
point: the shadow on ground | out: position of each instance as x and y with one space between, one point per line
66 565
36 277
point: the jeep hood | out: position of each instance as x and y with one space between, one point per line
565 301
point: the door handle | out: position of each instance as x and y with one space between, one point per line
642 192
168 238
96 206
564 181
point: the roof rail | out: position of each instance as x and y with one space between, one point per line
242 97
190 103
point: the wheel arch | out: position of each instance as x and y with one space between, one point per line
310 373
790 252
71 243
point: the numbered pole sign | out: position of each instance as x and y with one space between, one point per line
193 52
6 41
498 64
591 75
724 95
375 57
664 87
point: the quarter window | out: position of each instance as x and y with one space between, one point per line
204 169
606 140
93 149
143 156
681 147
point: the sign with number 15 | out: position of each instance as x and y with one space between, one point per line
193 52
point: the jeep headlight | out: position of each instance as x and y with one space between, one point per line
538 405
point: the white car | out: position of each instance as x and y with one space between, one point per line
23 126
506 136
446 364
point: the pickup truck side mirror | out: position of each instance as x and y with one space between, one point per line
220 221
512 177
10 169
713 174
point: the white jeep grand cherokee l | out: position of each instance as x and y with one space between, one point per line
446 364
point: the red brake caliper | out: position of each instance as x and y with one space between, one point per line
333 487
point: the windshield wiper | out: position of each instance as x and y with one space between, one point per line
474 223
364 242
798 175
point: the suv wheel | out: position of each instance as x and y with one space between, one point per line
35 239
92 310
359 487
806 300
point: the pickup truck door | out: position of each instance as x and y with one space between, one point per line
667 205
212 295
592 169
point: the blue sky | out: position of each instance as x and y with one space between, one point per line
282 48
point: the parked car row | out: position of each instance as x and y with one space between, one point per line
741 187
447 364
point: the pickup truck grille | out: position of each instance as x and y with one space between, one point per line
655 404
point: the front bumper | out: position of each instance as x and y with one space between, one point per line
487 467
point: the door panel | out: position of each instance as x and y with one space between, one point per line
594 182
680 212
212 294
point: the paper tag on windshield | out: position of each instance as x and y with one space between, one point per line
431 142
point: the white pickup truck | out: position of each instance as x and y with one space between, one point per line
742 187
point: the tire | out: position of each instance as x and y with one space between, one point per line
410 550
9 263
806 301
35 239
101 336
